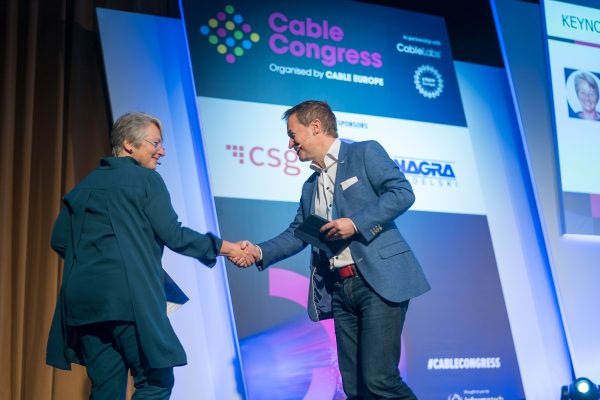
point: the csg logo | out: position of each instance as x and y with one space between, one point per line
272 157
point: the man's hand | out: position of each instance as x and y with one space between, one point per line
251 249
341 228
237 255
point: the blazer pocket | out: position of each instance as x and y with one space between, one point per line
393 249
348 182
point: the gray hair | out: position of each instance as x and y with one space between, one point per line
309 110
131 127
586 77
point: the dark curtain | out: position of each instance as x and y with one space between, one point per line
54 121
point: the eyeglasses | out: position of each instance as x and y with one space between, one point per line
156 143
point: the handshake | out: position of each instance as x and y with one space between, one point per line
242 253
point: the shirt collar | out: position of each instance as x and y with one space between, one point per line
331 157
115 162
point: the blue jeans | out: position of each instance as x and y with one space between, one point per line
109 349
368 329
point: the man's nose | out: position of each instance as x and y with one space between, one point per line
290 143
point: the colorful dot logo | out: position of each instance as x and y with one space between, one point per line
230 35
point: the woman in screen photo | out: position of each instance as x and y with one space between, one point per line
586 88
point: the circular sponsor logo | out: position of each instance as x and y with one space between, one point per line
455 396
429 81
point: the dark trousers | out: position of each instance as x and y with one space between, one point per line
367 330
109 349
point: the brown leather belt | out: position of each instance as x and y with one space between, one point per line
346 272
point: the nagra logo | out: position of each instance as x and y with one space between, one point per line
230 34
428 172
258 156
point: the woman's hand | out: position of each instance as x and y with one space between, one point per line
240 253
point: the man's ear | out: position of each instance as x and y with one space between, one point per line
316 125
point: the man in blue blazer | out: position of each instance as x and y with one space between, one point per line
367 286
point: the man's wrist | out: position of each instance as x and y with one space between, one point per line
260 254
354 225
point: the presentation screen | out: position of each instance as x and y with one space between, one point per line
389 76
573 44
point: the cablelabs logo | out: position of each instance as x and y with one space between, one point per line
228 32
428 81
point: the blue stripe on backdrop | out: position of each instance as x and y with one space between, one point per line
147 70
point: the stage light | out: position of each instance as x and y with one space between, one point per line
580 389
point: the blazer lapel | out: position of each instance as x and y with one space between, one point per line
340 176
312 189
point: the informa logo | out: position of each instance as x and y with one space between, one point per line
429 81
475 394
228 32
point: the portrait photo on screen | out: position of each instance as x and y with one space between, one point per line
582 94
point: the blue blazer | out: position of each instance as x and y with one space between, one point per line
371 191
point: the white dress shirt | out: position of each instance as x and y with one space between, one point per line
324 197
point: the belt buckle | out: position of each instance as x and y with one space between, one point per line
349 271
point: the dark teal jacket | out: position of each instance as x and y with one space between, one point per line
143 220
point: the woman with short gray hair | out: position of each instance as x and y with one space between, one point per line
111 312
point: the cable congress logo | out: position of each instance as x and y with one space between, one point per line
228 32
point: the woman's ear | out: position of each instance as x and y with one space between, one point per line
128 146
